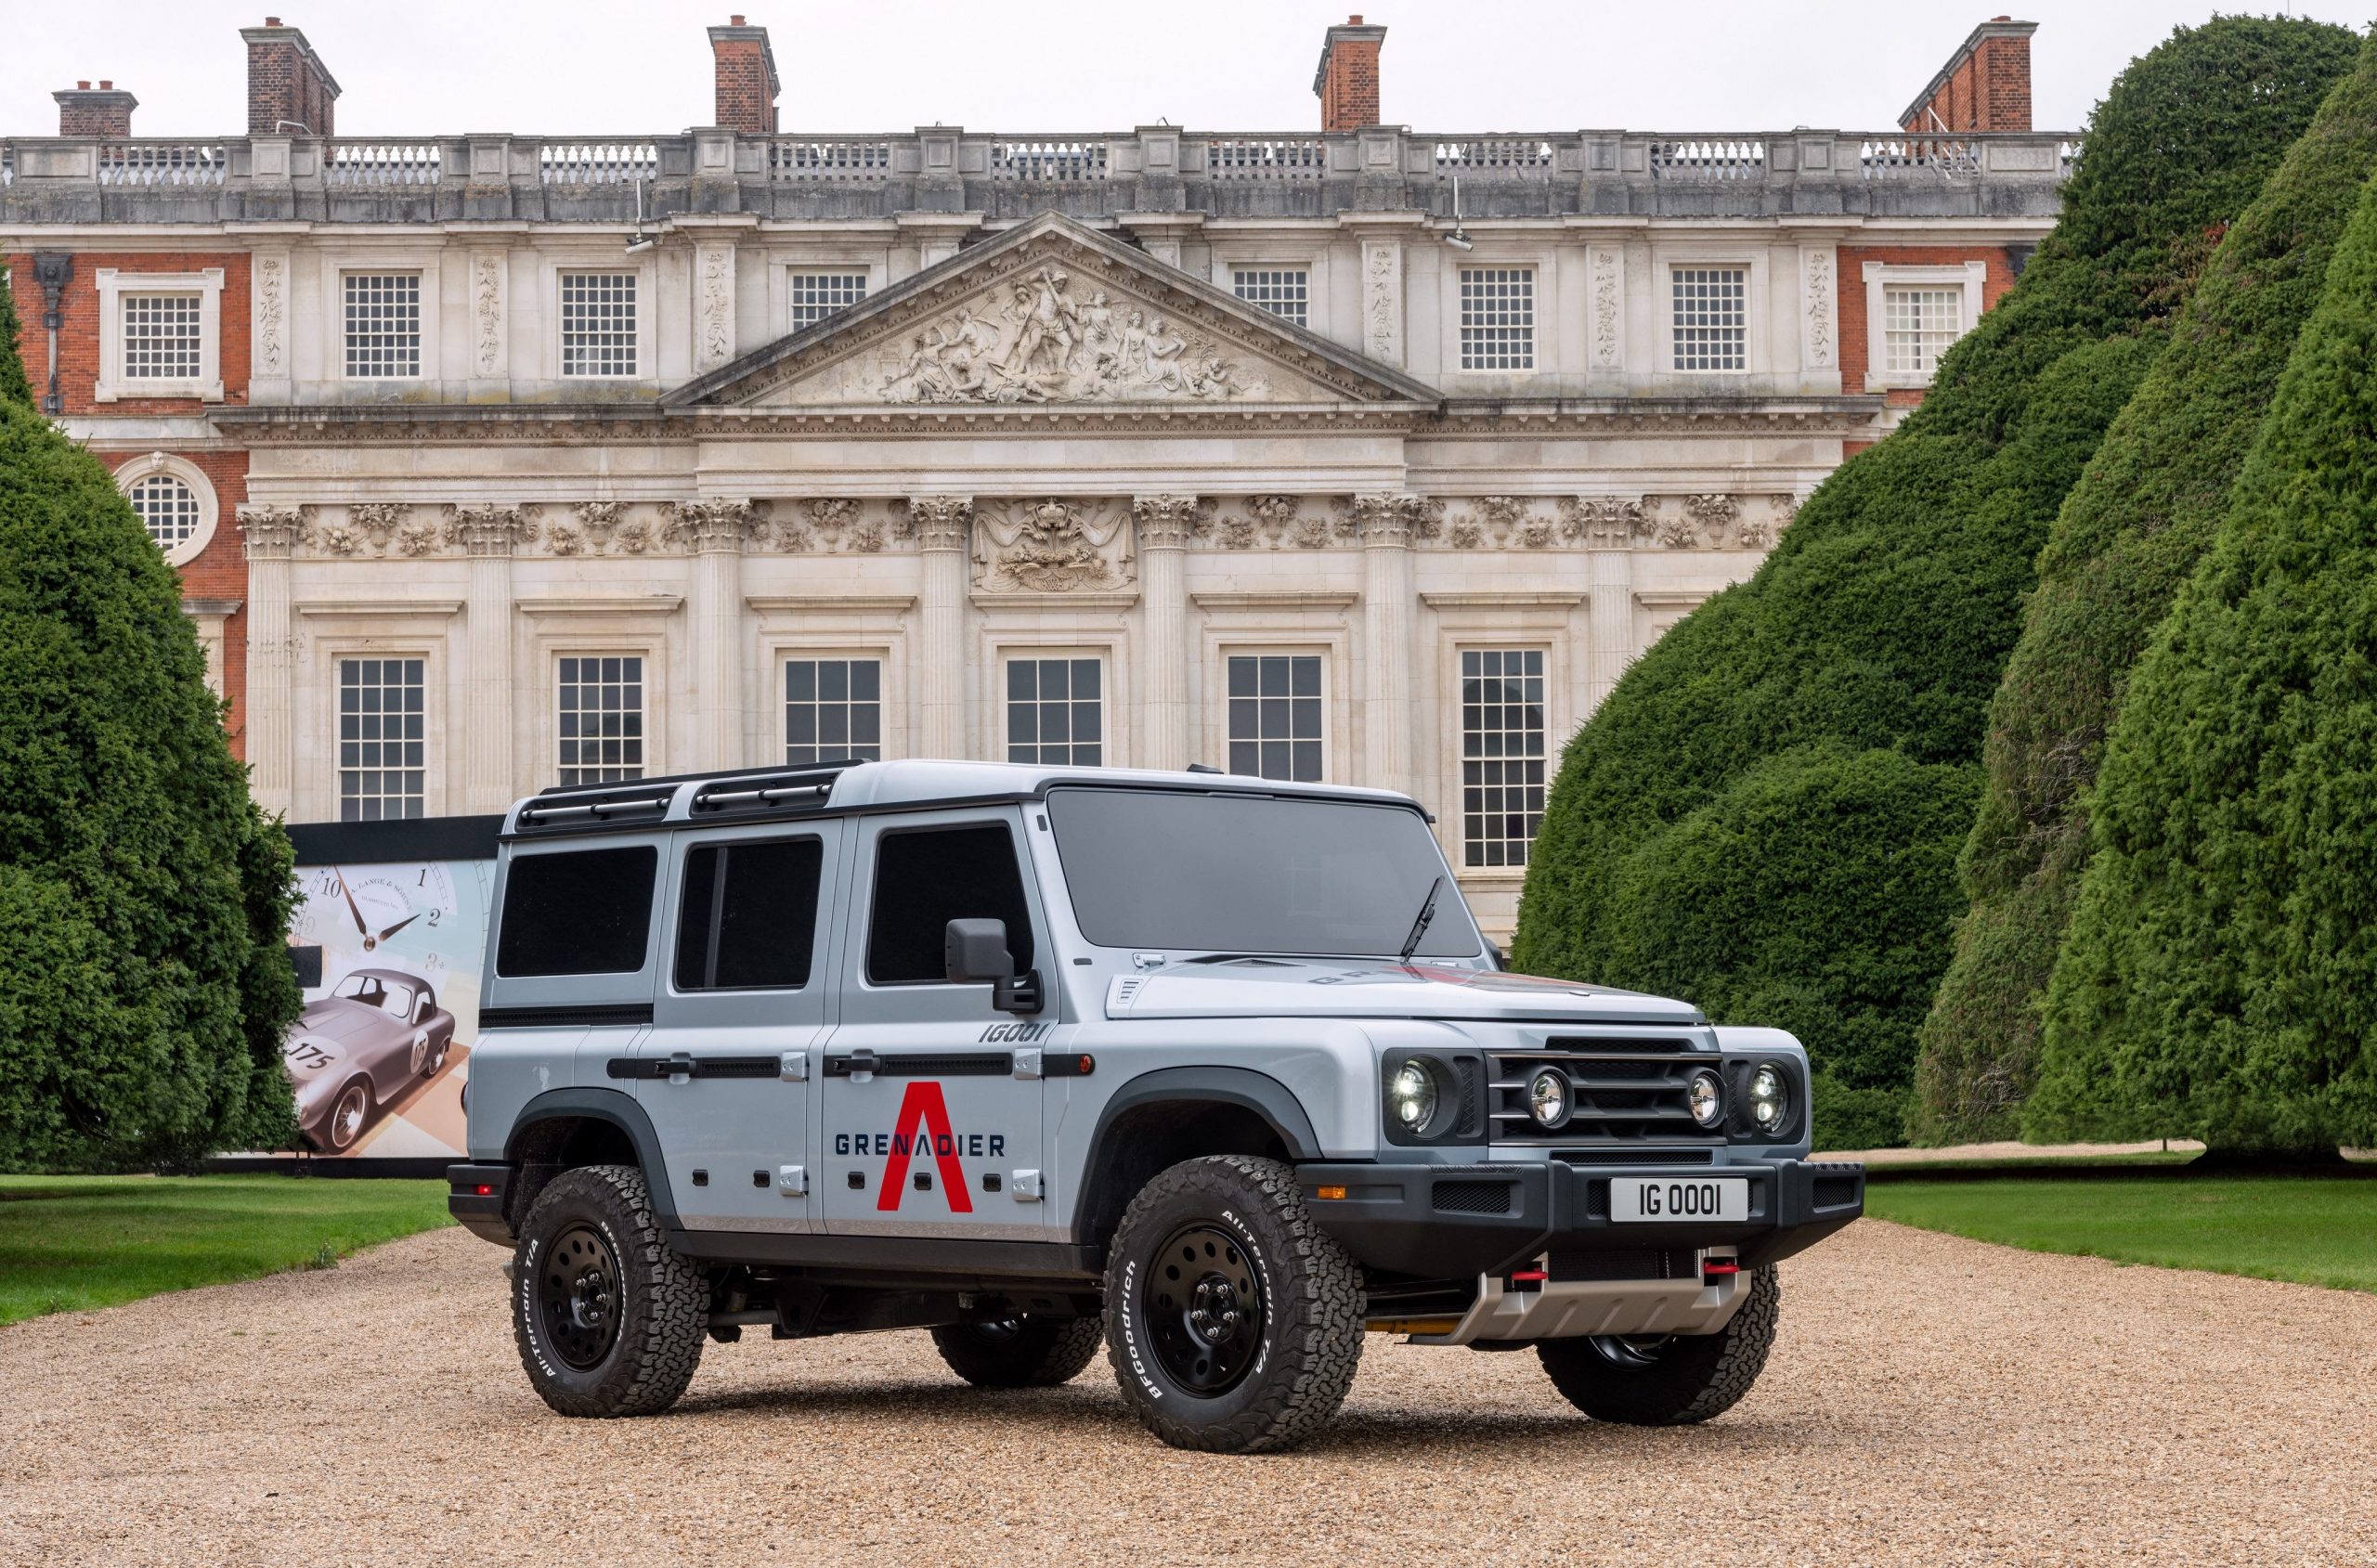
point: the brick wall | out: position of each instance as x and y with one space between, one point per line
1347 81
287 81
104 111
746 78
78 339
220 571
1984 86
1998 278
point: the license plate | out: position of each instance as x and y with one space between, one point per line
1664 1199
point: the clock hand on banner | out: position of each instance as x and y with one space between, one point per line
397 927
363 930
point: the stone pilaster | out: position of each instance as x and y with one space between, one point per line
487 535
715 532
1387 523
943 526
1166 524
269 536
1607 526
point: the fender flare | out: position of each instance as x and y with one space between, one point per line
603 1105
1244 1087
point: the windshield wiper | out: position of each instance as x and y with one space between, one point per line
1420 926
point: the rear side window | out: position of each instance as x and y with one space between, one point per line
924 880
749 917
580 911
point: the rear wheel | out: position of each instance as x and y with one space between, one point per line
1020 1351
609 1320
349 1116
1674 1380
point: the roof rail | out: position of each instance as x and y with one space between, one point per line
611 803
764 791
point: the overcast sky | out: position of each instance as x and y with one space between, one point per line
424 67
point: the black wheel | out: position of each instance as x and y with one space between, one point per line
609 1321
1020 1351
1667 1381
349 1116
1233 1321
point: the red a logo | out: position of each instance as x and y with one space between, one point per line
924 1129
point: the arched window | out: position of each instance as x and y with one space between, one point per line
167 508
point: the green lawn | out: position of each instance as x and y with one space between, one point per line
71 1243
2315 1230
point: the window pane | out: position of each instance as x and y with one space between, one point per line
1264 705
1496 318
578 912
1711 317
1502 751
167 508
1285 291
598 324
832 710
754 926
816 295
1055 714
1917 327
924 880
381 749
160 337
598 719
383 325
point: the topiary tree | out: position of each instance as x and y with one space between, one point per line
2219 980
13 388
1882 620
2127 537
144 978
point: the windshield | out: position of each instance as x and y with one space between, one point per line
373 992
1246 873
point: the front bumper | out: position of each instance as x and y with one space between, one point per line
476 1195
1457 1222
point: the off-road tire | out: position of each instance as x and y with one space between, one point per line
1687 1379
1035 1353
1310 1326
662 1307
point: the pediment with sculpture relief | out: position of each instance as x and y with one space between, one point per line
1052 313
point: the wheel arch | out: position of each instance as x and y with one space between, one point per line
1160 1117
563 1129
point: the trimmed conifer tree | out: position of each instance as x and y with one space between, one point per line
2126 538
13 387
145 982
2220 978
1881 622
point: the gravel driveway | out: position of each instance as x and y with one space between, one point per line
1931 1401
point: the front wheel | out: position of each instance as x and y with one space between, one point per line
1670 1379
609 1320
1020 1351
1234 1322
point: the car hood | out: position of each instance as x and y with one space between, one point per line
1236 988
342 1018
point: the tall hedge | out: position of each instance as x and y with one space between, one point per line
1882 620
144 902
13 388
2127 537
2219 980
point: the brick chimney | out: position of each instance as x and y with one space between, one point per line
287 81
1984 86
746 78
103 111
1347 83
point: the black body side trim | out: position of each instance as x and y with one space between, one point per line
938 1064
558 1017
692 1066
902 1260
620 1110
480 1213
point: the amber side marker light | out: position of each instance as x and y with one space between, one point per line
1328 1192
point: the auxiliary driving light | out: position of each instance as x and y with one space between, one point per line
1411 1095
1706 1100
1769 1100
1547 1097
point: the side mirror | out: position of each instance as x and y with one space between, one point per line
974 952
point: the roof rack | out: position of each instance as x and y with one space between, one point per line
610 803
758 792
831 764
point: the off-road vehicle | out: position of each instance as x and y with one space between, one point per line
1216 1072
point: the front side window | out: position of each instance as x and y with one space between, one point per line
1251 873
1711 317
162 338
382 326
749 917
577 912
1917 327
1285 291
1275 716
598 718
1502 754
382 746
167 508
816 295
1496 318
1056 712
925 878
598 324
832 708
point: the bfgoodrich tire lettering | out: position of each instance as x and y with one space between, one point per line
644 1310
1307 1302
1675 1381
1021 1352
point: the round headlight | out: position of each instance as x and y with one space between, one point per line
1411 1095
1770 1101
1706 1098
1547 1098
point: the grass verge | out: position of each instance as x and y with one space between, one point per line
73 1243
2313 1230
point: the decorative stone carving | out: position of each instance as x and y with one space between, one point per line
483 530
939 521
342 538
829 518
1051 546
487 316
1607 265
565 538
1382 301
272 312
1756 530
633 536
417 536
271 532
600 520
380 519
1604 522
1682 529
707 527
714 306
1508 521
1169 521
1816 287
1051 344
1396 518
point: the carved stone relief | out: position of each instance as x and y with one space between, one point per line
1816 285
482 530
272 311
1608 268
938 522
1396 518
1504 523
1382 301
705 527
1170 522
1052 545
714 307
1604 522
487 316
271 532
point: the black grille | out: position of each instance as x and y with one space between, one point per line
1634 1155
1472 1198
1624 1091
1625 1263
1832 1192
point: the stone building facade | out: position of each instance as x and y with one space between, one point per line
1360 454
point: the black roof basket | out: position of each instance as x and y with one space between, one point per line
761 792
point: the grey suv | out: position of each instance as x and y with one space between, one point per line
1216 1072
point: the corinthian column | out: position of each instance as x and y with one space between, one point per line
714 531
269 536
486 535
1387 523
1608 527
1165 524
943 526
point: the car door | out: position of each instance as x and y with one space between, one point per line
725 1073
932 1097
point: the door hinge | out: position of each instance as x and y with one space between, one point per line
793 1180
1025 1184
793 1067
